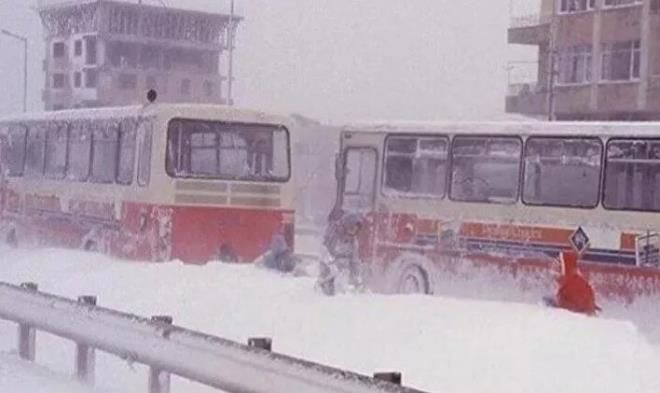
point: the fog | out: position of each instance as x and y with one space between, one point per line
335 59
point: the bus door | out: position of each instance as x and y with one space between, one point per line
351 229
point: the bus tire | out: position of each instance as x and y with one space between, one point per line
414 279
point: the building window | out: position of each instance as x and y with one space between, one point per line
575 65
90 52
77 79
416 167
77 48
568 6
621 61
562 172
127 81
185 87
619 3
59 81
91 78
486 169
59 50
209 89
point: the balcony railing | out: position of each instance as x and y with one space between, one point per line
530 20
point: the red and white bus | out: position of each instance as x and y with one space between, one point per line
159 182
430 207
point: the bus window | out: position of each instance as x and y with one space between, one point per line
359 179
14 154
126 164
216 150
144 163
416 166
562 172
35 151
80 150
486 169
104 152
632 175
56 150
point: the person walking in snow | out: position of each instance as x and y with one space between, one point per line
574 292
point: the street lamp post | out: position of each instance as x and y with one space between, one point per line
24 40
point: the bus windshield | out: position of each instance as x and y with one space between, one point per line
230 151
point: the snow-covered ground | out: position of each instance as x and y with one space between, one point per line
17 376
440 344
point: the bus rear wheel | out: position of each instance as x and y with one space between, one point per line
414 280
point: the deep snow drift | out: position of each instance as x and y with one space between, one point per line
440 344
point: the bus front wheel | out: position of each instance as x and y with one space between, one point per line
414 280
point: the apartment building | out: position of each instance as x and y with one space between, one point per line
597 60
109 52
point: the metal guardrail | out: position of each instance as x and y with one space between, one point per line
169 349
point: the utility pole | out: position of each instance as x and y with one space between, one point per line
230 70
24 40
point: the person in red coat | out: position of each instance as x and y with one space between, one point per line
574 293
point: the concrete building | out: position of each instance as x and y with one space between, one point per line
605 57
108 52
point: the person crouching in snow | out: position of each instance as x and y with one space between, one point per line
574 292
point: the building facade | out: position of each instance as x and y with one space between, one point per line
110 53
597 60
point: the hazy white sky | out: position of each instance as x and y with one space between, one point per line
335 59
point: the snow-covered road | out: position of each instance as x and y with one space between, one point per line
440 344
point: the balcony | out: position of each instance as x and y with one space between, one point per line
529 30
527 99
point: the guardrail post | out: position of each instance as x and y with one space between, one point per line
85 354
159 381
261 342
391 377
27 335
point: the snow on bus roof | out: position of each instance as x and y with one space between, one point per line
201 111
642 129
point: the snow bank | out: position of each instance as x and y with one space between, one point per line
440 344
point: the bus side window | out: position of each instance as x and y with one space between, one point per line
80 151
14 150
562 172
632 175
35 152
144 163
486 169
416 166
56 150
126 161
105 151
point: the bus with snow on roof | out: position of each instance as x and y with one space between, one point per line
481 208
160 182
